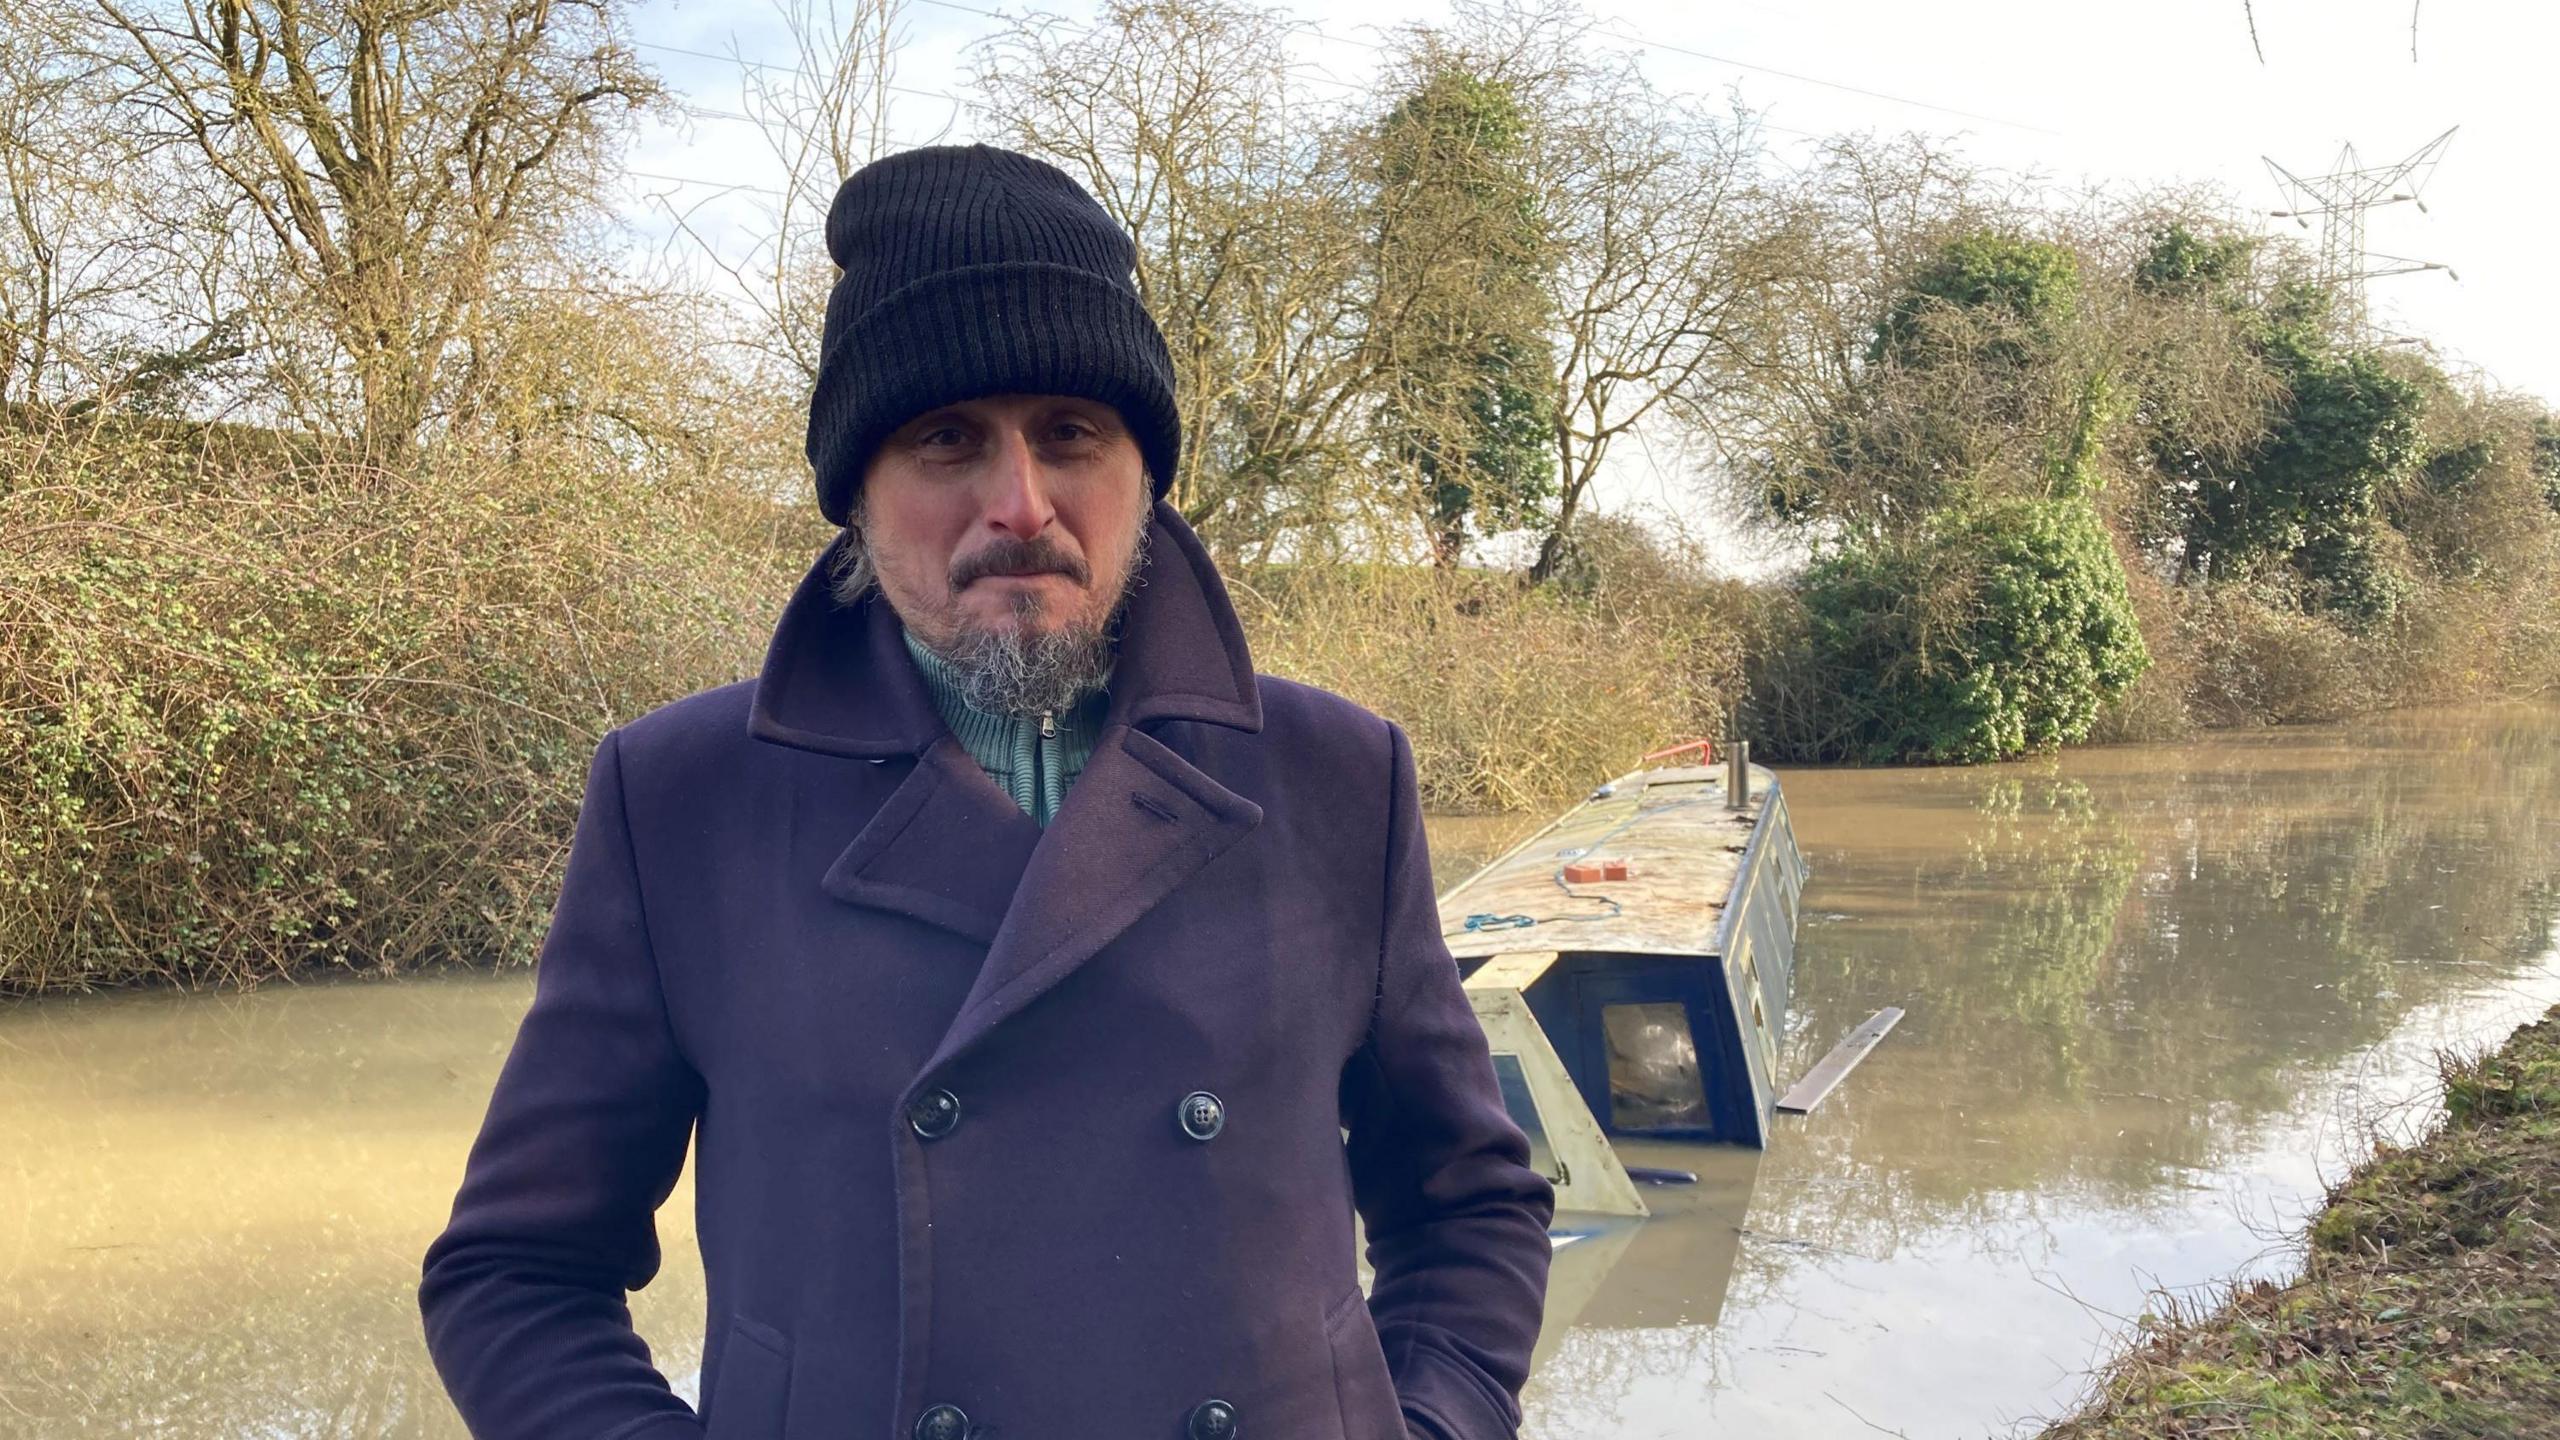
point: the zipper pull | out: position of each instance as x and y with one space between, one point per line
1048 725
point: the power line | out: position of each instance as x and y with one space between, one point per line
1636 40
707 184
774 65
943 95
1642 43
1829 84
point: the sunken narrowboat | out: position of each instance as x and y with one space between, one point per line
1639 949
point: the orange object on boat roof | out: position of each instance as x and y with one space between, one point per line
1706 751
1585 872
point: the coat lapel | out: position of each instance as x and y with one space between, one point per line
837 680
947 847
1137 823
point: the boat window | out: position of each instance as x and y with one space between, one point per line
1753 987
1653 1067
1524 1113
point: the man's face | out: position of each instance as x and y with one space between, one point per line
1009 519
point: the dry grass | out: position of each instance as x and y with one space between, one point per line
2259 660
1514 698
262 708
2429 1304
2241 656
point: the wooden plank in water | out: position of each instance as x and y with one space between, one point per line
1835 1067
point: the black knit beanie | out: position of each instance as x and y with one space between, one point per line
973 271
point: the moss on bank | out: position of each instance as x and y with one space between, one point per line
2429 1303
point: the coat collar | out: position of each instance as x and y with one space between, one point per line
838 680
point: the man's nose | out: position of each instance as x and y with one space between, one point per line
1020 503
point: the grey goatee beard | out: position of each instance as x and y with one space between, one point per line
1012 672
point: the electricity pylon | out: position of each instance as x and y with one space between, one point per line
2339 200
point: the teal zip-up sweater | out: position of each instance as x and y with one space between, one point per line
1033 758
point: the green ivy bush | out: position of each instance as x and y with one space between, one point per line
1991 631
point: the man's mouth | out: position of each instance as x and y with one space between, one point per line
1025 563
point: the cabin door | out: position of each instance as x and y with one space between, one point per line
1662 1053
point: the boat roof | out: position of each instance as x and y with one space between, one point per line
1683 847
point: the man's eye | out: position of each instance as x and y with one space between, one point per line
1072 430
943 437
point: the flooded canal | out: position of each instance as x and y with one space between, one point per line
2155 995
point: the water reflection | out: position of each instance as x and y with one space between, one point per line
2155 994
212 1207
2152 992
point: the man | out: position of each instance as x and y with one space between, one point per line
1015 957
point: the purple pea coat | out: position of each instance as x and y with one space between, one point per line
943 1072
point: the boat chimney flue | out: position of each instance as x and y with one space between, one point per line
1737 774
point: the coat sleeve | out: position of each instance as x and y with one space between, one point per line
1456 1219
524 1293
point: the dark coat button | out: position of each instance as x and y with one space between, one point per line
934 1113
943 1422
1202 1115
1212 1420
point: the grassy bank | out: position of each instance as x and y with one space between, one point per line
2429 1303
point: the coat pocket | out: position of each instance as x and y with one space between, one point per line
748 1395
1360 1379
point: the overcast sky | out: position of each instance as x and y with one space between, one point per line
2075 92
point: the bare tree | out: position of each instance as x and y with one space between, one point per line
1183 118
823 115
1841 236
1465 269
1670 245
38 288
1662 234
398 158
82 272
1667 242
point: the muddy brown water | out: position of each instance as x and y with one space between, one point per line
2156 995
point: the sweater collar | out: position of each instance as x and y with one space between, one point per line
990 737
838 680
